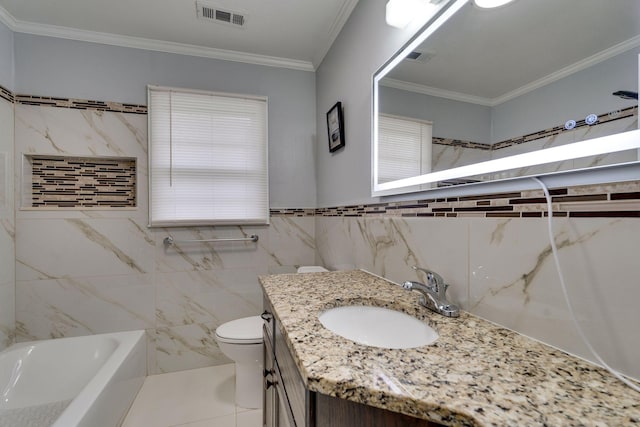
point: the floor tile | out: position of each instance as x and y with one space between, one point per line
226 421
185 397
251 418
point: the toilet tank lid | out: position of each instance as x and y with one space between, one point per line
311 269
247 328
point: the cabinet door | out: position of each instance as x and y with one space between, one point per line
276 412
269 393
283 412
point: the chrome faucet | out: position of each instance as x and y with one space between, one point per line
433 293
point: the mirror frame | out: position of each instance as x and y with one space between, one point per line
602 145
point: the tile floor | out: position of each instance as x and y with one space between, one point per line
195 398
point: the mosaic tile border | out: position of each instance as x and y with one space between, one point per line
69 182
616 200
6 94
80 104
461 143
299 212
602 119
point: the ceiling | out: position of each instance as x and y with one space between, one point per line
488 54
288 33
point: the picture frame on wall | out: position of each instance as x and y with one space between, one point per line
335 127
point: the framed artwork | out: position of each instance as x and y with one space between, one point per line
335 127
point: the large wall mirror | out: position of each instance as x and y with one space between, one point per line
529 88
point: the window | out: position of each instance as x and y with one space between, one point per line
207 158
404 147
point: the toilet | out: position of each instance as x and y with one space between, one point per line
241 341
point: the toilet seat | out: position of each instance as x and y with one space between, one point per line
247 330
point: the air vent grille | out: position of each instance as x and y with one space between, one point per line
417 56
213 13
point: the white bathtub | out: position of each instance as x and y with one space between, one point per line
85 381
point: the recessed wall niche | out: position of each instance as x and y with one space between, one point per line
64 182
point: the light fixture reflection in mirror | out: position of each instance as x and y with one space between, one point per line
518 115
400 13
489 4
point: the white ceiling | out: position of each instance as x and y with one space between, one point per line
289 33
490 54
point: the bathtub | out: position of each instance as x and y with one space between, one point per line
85 381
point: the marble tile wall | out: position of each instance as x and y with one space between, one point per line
82 272
502 269
7 226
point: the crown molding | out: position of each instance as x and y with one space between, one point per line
149 44
571 69
433 91
334 30
7 19
492 102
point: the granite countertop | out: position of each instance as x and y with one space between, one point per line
476 373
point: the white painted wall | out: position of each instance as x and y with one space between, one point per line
573 97
6 53
73 69
451 119
345 74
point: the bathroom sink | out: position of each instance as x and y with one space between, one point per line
377 327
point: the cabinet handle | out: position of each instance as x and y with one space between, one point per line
267 372
268 384
266 316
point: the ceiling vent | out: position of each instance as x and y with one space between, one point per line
417 56
213 13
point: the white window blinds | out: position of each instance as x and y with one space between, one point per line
404 147
207 158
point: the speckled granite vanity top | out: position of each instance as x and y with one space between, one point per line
476 373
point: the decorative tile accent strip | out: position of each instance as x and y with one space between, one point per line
292 212
603 118
82 182
6 94
616 200
461 143
80 104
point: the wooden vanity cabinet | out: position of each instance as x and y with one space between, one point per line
288 403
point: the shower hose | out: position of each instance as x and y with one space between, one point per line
566 294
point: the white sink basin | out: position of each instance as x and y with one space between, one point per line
377 327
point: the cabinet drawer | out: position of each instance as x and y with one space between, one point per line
291 379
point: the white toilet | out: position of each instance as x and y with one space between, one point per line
241 341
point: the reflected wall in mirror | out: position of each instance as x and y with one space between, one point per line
491 84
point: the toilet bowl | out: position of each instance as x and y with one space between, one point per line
241 341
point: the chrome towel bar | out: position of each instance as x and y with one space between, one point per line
168 241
